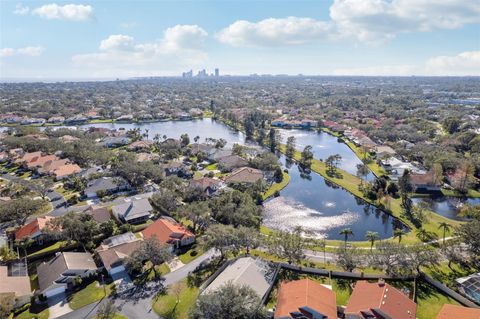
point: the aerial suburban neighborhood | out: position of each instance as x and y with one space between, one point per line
240 159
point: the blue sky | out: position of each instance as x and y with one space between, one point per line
109 39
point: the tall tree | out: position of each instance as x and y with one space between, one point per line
229 301
288 245
346 232
290 148
372 237
273 138
306 157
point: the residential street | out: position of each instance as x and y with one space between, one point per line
138 303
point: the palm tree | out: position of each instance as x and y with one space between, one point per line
346 232
398 233
446 227
323 244
422 234
371 236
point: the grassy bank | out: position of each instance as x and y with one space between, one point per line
276 187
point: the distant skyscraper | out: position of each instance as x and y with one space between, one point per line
187 74
202 73
217 72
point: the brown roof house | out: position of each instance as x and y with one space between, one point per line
458 312
115 249
379 300
230 162
427 182
57 275
305 298
143 145
209 186
16 285
99 214
246 175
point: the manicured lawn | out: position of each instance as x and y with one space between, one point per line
211 167
187 256
430 301
90 294
53 247
167 307
450 192
277 186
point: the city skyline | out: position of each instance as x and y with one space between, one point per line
97 40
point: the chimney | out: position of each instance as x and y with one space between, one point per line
381 282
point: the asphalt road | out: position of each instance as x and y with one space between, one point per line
138 304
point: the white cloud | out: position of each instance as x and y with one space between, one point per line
462 64
380 20
28 51
465 63
371 21
69 12
119 55
21 9
274 32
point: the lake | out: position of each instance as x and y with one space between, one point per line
447 206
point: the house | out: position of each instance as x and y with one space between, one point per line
230 162
209 186
99 214
174 168
197 148
4 157
115 141
395 167
145 157
453 312
379 300
384 151
51 165
106 185
115 249
470 286
217 153
16 284
58 274
24 157
254 273
56 120
245 175
76 119
427 182
66 170
68 139
305 298
133 212
169 232
35 229
140 145
39 161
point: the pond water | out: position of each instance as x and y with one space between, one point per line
324 145
308 201
447 206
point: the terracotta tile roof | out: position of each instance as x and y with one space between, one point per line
166 231
453 312
424 179
27 157
301 297
379 300
41 160
244 175
50 166
34 226
66 170
204 183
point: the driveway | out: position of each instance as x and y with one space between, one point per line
137 302
58 306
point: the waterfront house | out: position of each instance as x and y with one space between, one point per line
244 175
427 182
169 232
379 300
143 145
58 274
305 298
133 212
115 141
230 162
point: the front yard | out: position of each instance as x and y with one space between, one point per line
166 305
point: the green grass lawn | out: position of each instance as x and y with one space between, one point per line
90 294
211 167
197 175
187 256
450 192
56 246
277 186
167 307
430 301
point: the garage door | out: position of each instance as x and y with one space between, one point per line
54 291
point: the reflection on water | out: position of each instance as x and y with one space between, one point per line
285 213
447 206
